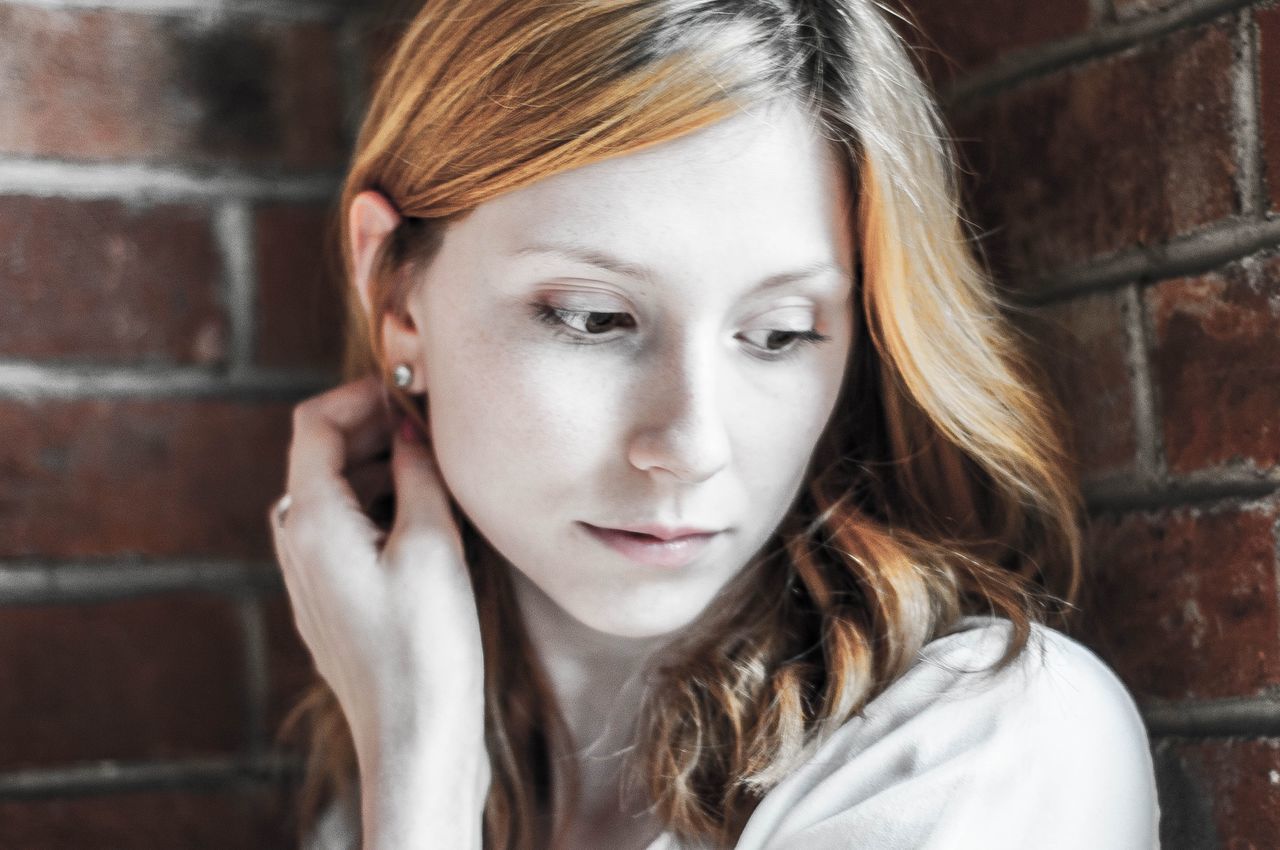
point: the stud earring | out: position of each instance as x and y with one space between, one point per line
402 375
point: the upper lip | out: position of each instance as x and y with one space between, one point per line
663 532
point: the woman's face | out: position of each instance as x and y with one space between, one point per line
622 345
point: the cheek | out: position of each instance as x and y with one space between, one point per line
516 430
779 432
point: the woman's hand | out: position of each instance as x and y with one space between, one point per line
389 617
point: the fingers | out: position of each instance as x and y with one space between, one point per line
325 509
422 502
336 475
371 481
323 427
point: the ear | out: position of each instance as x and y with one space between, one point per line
370 222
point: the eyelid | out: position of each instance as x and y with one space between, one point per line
581 300
806 312
571 300
586 306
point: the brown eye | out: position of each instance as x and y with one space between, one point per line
781 338
584 322
600 322
779 344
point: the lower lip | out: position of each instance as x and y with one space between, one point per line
644 549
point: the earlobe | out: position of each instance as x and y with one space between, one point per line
402 344
371 219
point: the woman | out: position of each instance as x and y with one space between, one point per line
726 511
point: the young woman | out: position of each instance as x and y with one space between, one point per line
689 487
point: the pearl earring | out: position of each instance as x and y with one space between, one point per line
402 375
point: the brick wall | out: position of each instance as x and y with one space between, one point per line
166 172
166 169
1124 171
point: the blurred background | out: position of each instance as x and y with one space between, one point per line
167 173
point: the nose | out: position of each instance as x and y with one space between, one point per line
681 426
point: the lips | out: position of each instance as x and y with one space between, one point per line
652 550
663 532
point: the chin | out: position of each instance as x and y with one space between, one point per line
640 622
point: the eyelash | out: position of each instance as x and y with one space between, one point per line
552 316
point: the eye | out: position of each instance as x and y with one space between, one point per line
578 325
583 322
779 344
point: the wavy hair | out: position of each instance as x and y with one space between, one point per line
941 487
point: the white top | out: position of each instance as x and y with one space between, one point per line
1051 753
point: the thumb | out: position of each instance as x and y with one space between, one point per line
422 503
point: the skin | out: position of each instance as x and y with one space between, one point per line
673 413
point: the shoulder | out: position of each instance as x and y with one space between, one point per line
1055 678
1054 692
958 754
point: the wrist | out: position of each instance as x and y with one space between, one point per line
424 787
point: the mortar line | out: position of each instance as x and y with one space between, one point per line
256 673
1040 60
1145 399
1205 250
1275 568
1245 96
28 381
48 177
112 776
1176 494
233 228
28 582
1245 717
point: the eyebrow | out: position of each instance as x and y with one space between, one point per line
627 268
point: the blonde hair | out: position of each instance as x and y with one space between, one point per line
940 488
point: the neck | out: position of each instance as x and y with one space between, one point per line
597 678
598 681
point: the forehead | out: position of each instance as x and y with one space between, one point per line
761 187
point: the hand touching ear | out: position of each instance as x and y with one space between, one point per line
389 617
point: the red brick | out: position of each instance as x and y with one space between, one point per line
1083 346
1269 73
1219 793
106 84
300 294
150 677
109 282
1129 150
215 819
289 662
153 477
1217 367
954 38
1182 602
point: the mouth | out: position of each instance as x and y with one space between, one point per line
652 550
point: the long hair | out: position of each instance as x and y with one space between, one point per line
942 486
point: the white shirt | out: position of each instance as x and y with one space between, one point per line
1051 754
